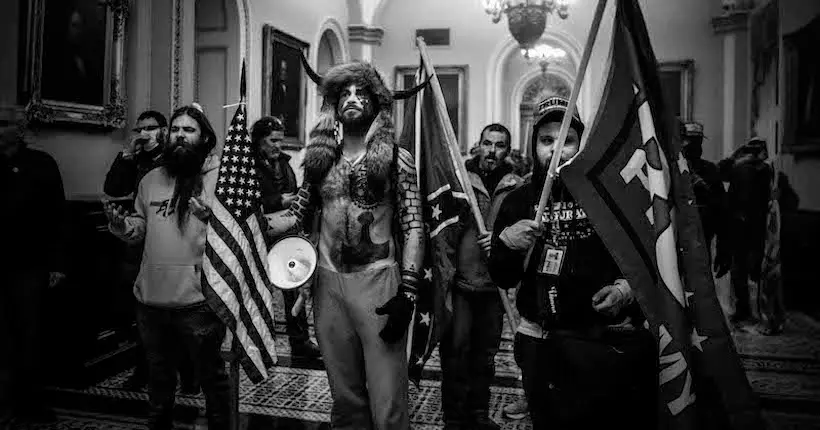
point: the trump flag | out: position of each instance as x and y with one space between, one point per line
634 185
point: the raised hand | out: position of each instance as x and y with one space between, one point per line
116 215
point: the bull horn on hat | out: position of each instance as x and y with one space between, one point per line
397 95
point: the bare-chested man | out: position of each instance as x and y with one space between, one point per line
364 191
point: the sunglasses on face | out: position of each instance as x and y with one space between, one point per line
146 128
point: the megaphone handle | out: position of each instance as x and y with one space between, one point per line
297 307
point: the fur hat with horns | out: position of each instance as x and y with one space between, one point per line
323 150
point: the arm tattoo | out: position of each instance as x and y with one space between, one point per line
410 219
293 217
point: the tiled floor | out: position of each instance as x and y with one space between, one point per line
784 370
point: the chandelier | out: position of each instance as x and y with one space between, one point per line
527 19
544 54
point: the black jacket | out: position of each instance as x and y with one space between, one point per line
33 218
276 177
125 174
588 265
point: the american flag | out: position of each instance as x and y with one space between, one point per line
235 278
635 186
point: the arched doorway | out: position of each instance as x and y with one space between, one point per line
218 54
539 88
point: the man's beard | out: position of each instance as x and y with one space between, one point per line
183 163
183 160
488 163
359 124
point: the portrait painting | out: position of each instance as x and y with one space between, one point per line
284 83
73 51
75 61
453 81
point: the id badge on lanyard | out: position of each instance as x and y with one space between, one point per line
552 258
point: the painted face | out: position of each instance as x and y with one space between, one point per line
548 137
149 131
354 105
492 150
185 131
271 145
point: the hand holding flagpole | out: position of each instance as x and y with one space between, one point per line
461 171
562 134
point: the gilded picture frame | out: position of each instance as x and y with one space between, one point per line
74 59
453 80
284 83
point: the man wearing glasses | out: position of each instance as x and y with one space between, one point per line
140 155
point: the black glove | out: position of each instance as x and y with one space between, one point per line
399 311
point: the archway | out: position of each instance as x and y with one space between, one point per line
497 101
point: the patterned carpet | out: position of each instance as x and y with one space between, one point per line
784 370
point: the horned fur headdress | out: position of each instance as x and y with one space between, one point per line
323 150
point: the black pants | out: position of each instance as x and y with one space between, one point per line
22 305
747 258
297 326
468 351
199 332
573 382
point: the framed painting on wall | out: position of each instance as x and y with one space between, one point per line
75 61
453 80
284 84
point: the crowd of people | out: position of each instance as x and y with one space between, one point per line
590 364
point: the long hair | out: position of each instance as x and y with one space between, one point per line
188 186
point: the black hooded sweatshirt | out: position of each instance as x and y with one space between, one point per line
587 267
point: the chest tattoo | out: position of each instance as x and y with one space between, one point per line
363 251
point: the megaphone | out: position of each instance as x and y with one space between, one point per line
291 263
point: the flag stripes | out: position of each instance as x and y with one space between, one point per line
235 278
254 310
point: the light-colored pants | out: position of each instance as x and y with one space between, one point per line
367 377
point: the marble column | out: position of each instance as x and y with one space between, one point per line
733 27
363 40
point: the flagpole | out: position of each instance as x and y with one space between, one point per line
417 155
455 154
562 134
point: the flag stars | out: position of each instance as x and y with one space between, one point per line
232 179
697 339
428 274
425 318
437 212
